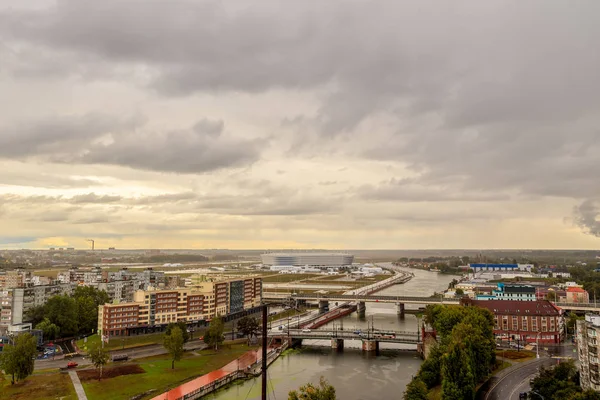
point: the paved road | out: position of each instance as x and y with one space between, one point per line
516 380
140 352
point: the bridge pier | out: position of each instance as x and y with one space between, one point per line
361 308
323 306
400 310
337 344
370 345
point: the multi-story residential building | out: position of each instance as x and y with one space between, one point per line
524 321
14 279
510 292
194 305
17 301
588 346
577 295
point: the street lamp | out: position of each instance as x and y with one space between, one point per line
533 391
537 345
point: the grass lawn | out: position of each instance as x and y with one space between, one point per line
45 387
159 375
127 341
516 356
280 278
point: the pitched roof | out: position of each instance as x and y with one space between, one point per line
575 289
515 307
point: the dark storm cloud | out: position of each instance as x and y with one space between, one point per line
100 139
587 217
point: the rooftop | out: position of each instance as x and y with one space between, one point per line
512 307
574 289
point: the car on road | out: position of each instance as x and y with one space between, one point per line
305 330
357 332
523 396
72 364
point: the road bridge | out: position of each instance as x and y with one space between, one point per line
373 298
578 306
370 339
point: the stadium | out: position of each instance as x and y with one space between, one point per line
320 260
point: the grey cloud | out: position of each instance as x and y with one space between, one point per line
94 198
411 190
100 139
587 217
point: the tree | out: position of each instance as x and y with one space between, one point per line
63 311
560 382
459 292
173 342
416 390
310 392
214 334
458 380
50 330
88 299
35 315
17 360
248 326
181 325
99 358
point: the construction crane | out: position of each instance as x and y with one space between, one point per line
91 240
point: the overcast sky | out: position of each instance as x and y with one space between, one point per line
300 124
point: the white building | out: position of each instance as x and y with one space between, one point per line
320 260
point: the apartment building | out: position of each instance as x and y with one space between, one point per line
194 304
15 303
577 294
588 340
524 321
510 292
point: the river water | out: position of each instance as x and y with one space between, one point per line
354 374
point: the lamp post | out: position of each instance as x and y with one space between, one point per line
537 345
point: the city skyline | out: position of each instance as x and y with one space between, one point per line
346 125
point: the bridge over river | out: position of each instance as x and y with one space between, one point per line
370 338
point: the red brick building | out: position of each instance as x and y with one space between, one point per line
523 321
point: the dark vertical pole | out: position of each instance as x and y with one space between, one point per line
264 353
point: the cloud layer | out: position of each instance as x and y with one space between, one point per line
351 123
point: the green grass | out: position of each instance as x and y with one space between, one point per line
39 387
160 376
287 313
281 278
116 343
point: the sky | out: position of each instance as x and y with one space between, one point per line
306 124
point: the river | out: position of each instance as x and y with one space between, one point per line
354 374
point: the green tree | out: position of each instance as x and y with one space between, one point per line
458 380
248 326
214 335
560 382
88 299
181 325
431 369
173 342
416 390
310 392
589 394
35 315
17 360
51 331
551 296
459 292
63 311
99 358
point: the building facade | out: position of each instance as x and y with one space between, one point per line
322 260
577 294
524 321
510 292
16 302
588 347
192 305
477 267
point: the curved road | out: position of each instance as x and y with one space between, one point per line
516 380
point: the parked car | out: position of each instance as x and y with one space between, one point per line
523 396
72 364
305 330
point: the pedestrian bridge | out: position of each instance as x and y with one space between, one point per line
361 298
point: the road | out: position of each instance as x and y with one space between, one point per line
508 386
140 352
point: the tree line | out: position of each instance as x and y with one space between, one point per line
463 356
66 316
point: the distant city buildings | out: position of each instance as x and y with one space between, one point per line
309 259
198 303
478 267
510 292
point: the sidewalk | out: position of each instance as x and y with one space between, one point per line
77 384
